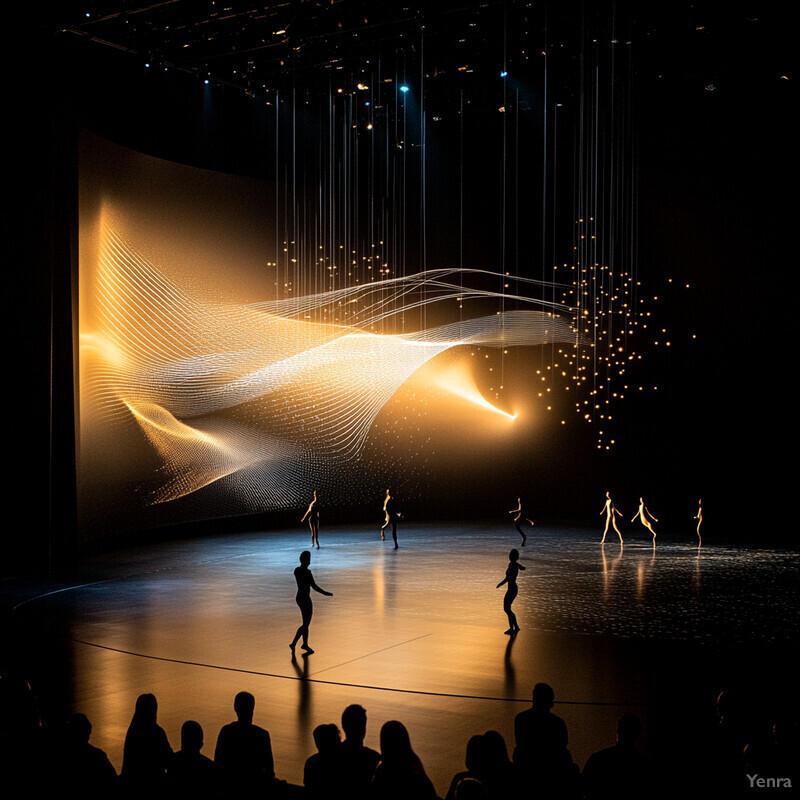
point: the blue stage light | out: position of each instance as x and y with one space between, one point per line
404 88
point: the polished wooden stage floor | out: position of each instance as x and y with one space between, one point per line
415 634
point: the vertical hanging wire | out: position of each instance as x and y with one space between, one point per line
503 243
597 286
277 197
578 208
422 178
402 187
461 208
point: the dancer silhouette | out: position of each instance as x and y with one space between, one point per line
699 518
609 509
643 513
305 583
518 519
392 515
313 520
511 593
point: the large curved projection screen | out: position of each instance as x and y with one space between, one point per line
219 376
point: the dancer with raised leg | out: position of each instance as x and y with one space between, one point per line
392 515
305 583
518 520
511 592
312 515
643 513
609 509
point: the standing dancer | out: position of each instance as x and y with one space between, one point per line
305 583
643 513
518 520
699 518
392 515
313 520
609 509
511 593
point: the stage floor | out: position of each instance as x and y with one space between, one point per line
415 634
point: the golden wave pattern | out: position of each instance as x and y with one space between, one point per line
257 393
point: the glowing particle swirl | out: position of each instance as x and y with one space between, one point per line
255 393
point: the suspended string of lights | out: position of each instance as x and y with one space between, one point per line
373 164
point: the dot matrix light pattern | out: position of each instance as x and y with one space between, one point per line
261 395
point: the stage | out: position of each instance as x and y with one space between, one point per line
415 634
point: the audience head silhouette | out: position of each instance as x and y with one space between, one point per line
395 741
146 709
543 697
629 729
471 789
354 723
326 737
244 705
79 727
191 736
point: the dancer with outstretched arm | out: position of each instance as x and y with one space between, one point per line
511 592
305 583
643 514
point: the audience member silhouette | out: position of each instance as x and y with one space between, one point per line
146 752
775 754
305 583
620 772
244 752
511 593
721 763
400 774
392 515
476 763
358 761
500 775
744 743
82 768
541 754
322 771
190 773
470 789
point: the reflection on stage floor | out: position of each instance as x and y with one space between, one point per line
415 634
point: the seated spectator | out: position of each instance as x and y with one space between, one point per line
400 774
541 755
470 789
84 769
500 775
358 761
190 773
620 771
475 762
146 751
244 751
321 774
